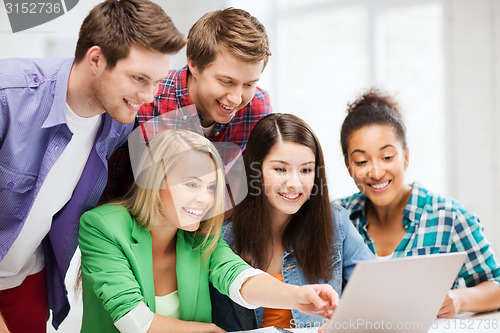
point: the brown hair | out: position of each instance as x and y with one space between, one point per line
231 29
310 231
115 26
372 108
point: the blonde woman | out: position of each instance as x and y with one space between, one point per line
147 261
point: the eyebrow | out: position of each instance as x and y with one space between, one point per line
284 162
147 76
224 76
363 151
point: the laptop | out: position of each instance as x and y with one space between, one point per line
396 295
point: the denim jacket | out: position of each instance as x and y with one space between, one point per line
348 249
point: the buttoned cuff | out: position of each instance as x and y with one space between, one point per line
136 320
235 287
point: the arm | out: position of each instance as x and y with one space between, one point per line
481 275
264 290
481 298
268 292
161 324
3 327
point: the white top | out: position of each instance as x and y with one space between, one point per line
25 257
168 305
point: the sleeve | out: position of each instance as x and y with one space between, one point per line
106 266
354 248
3 116
480 264
225 266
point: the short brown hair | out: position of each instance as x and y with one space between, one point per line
117 25
231 29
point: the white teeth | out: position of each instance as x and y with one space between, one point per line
225 107
379 186
288 196
133 104
194 211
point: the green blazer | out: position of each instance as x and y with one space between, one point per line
117 269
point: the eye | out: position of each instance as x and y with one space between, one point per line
212 188
139 78
306 170
360 163
280 170
191 185
250 85
388 158
225 82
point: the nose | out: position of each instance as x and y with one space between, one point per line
147 94
204 196
376 171
234 95
293 180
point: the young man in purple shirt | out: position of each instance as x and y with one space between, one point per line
60 120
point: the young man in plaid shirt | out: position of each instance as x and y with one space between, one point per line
227 50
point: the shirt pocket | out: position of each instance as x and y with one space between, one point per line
15 192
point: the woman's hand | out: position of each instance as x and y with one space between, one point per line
451 305
316 299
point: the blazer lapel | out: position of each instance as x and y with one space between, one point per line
142 266
188 274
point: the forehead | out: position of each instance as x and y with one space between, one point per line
373 137
226 64
193 163
290 152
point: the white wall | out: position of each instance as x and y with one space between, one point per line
473 108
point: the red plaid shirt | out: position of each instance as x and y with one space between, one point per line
173 96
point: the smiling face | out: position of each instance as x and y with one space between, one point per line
189 192
377 162
133 81
288 173
223 87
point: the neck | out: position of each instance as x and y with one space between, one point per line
279 222
192 88
163 239
392 212
80 96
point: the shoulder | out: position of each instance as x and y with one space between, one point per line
260 104
109 215
427 205
31 73
341 221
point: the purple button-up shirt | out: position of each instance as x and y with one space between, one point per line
33 134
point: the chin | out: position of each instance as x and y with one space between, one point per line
190 227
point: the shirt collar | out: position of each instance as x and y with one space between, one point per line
57 114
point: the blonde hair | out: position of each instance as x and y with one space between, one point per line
164 151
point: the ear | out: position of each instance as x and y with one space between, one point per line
95 59
193 69
407 157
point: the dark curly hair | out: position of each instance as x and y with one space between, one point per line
372 108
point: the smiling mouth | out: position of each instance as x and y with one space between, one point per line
226 108
291 196
196 213
135 106
380 186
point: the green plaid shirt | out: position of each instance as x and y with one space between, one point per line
436 225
